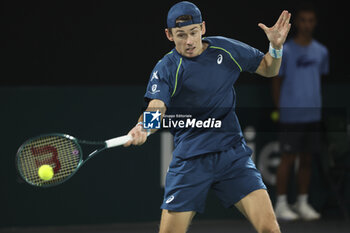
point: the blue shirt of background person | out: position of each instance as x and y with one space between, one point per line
301 69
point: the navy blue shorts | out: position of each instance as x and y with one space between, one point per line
231 174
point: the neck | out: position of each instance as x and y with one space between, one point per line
204 46
303 39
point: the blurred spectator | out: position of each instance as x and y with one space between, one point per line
297 94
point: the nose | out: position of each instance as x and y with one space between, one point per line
189 41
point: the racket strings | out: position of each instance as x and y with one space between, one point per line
61 153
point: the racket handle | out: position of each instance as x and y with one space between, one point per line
118 141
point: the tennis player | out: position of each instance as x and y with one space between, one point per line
198 75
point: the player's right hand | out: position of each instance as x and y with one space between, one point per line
139 136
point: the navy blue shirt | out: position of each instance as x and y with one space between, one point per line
203 88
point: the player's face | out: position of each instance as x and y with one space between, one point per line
188 39
305 22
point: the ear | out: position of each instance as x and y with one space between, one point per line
169 35
203 28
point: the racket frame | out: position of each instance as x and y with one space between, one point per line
76 141
118 141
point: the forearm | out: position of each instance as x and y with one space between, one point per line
269 66
154 105
139 135
273 65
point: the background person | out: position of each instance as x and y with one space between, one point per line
297 93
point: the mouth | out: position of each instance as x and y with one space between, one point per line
190 50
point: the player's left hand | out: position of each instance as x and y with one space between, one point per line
278 33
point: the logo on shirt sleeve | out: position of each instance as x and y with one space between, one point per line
155 76
154 89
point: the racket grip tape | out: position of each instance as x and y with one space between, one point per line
118 141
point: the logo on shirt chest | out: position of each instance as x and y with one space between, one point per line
220 58
305 61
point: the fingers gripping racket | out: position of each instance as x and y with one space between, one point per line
62 152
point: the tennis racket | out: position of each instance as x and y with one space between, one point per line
62 152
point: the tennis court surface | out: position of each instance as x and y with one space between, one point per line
220 226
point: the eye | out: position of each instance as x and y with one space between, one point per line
180 35
194 32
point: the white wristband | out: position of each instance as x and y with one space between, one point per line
275 53
147 130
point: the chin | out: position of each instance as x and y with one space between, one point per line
194 54
189 55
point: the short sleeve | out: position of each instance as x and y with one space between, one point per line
324 69
248 58
159 86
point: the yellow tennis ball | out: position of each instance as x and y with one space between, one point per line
45 172
275 116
